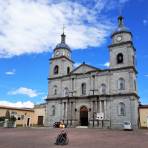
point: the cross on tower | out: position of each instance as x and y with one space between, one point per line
63 28
63 35
120 9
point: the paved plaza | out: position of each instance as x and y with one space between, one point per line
78 138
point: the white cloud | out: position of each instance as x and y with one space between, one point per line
145 22
44 97
11 72
77 64
19 104
34 26
107 64
24 91
123 1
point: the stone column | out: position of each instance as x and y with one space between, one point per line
105 109
60 104
100 105
68 111
71 113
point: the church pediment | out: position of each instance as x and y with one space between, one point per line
84 68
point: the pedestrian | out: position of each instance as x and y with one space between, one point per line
62 138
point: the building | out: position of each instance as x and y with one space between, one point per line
39 114
143 115
26 117
78 95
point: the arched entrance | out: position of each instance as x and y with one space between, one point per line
83 116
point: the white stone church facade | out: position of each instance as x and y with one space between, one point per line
76 95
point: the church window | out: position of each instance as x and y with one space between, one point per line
120 58
68 70
133 60
56 69
121 84
55 90
72 83
103 89
102 105
65 92
53 110
64 109
121 109
135 85
83 86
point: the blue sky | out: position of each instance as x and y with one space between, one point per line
30 29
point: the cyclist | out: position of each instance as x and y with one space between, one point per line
62 138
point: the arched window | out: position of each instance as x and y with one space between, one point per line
133 60
56 69
121 84
135 85
103 89
65 92
53 110
121 109
120 58
83 88
68 70
55 90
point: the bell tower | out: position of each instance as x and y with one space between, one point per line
61 63
122 51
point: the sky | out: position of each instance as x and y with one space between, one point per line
30 29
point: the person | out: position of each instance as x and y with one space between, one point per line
62 125
62 138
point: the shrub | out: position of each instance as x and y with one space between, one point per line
12 118
2 118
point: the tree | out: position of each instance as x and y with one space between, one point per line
7 114
10 118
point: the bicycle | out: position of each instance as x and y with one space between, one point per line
62 138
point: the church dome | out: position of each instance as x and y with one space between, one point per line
62 44
121 27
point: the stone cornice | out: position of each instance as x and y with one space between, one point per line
55 58
95 68
99 71
120 32
62 48
122 43
94 96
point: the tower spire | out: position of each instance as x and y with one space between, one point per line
120 21
63 36
63 28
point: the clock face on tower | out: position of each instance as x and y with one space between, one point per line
119 38
68 55
63 53
57 53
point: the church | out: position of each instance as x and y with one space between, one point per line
90 96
